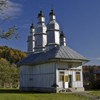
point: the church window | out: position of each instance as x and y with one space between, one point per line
61 76
78 78
66 78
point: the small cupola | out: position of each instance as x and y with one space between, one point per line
32 26
41 27
41 17
52 15
62 39
53 25
41 14
32 29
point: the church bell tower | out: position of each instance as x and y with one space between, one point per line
45 37
40 35
53 32
31 40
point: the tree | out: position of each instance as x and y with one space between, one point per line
14 75
9 74
4 71
11 55
12 31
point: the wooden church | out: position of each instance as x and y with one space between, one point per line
51 65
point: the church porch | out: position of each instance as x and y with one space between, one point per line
69 80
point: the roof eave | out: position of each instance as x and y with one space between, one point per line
57 59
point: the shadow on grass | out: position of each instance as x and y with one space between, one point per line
14 91
18 91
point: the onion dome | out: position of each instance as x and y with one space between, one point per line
32 29
41 14
52 12
41 27
53 25
32 26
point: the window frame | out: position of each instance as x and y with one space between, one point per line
78 76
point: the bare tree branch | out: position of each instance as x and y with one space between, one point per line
13 31
3 4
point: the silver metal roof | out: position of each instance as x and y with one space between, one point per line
60 52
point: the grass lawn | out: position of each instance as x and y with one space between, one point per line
16 95
97 93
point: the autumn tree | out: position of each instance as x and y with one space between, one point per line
9 74
4 69
11 55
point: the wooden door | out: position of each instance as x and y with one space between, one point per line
70 81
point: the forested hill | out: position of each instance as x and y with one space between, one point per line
11 55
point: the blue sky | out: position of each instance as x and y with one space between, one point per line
79 19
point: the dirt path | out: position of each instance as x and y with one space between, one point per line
88 96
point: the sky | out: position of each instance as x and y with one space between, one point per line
79 19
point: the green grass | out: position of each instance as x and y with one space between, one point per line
38 97
16 95
97 93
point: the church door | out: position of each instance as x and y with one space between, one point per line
61 79
70 81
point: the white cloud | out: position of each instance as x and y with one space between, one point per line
94 61
11 8
98 58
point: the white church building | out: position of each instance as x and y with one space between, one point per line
51 65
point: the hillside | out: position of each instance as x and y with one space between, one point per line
11 55
9 72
